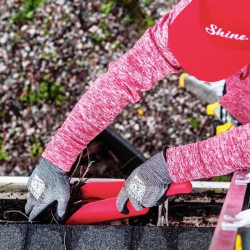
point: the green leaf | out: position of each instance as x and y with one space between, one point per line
23 98
48 90
115 45
106 7
103 25
36 149
98 38
79 63
149 21
30 15
32 97
147 2
3 155
194 123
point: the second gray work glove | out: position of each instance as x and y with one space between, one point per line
147 185
47 184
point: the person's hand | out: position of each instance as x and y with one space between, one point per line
147 185
47 184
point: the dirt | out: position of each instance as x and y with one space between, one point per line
184 214
187 213
6 206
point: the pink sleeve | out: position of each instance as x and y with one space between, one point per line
236 100
149 61
218 155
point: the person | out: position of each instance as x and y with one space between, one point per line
199 36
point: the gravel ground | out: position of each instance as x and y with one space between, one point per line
65 47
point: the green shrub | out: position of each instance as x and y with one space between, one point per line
115 45
49 56
106 7
68 64
36 149
28 11
101 38
65 18
147 2
48 90
79 63
3 155
194 123
46 21
103 25
128 18
133 13
28 96
18 37
149 21
225 178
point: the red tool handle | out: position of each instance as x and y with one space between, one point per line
100 211
179 188
106 190
101 190
106 210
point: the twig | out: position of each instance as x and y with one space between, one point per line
53 218
77 165
77 202
113 155
81 170
86 171
118 168
16 222
16 211
127 162
64 241
88 154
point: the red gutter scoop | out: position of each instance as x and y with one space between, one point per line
105 210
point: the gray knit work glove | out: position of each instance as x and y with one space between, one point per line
47 184
147 185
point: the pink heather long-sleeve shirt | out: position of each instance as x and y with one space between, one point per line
149 61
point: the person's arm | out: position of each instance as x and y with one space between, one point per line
149 61
236 100
219 155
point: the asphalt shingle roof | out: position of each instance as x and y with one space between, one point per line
49 237
12 237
